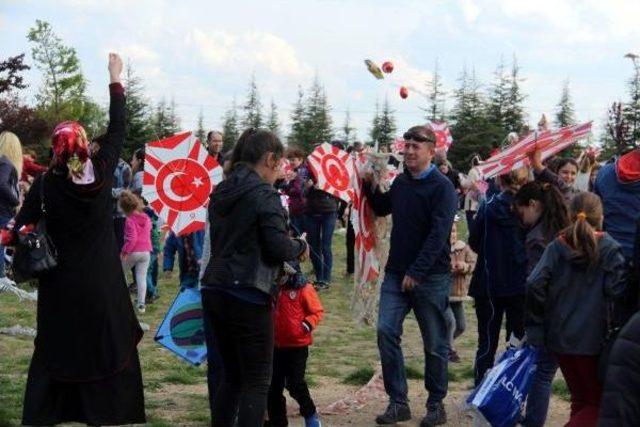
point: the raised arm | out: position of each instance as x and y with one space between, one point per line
111 143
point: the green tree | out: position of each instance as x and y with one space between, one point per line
62 95
386 126
138 114
631 108
374 132
298 132
471 129
230 133
273 121
348 132
498 97
165 121
565 113
252 117
93 118
10 77
514 109
317 117
615 139
435 96
200 133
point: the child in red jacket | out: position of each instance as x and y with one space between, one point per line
298 312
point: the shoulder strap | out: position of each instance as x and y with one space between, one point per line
42 207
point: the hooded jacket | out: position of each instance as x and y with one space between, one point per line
496 236
9 195
566 297
137 233
298 312
619 190
249 239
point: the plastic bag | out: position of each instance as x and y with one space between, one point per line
500 397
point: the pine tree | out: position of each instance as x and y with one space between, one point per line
436 96
565 114
273 122
616 140
317 117
165 121
298 131
348 132
498 98
11 68
200 133
374 133
632 108
230 131
138 114
174 120
252 108
514 111
386 126
471 129
62 94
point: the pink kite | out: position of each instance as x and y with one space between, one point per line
179 176
516 156
443 134
334 171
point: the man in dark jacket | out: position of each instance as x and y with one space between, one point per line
417 275
620 405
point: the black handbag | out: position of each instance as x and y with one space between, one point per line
35 253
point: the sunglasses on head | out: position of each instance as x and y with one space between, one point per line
413 136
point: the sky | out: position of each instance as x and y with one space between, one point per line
202 54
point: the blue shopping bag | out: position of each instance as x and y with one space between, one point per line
501 395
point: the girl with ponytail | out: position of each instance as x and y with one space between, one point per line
542 210
567 297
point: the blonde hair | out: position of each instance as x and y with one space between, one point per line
130 203
11 148
586 219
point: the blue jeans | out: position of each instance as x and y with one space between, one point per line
320 235
540 391
3 221
429 301
299 224
152 275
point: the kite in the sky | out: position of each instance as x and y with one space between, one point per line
374 69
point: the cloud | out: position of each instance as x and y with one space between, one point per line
137 53
470 10
224 50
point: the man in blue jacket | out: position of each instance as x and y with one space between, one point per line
417 275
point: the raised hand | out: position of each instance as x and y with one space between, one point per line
115 67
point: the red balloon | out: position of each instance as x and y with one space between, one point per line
404 92
387 67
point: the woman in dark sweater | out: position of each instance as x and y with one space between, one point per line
10 170
85 365
249 243
498 285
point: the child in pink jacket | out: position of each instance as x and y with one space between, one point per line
136 251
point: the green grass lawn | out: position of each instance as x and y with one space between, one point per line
175 392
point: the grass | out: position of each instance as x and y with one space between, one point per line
344 352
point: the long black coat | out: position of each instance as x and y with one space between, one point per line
87 329
620 405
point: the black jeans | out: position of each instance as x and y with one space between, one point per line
289 366
351 243
489 313
244 335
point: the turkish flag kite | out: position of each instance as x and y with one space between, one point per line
443 135
334 171
516 156
179 176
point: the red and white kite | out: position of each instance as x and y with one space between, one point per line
334 171
397 146
443 135
516 156
179 176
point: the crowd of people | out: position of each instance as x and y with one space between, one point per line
554 249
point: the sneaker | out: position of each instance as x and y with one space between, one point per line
141 308
454 357
320 285
436 415
395 412
150 299
312 421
